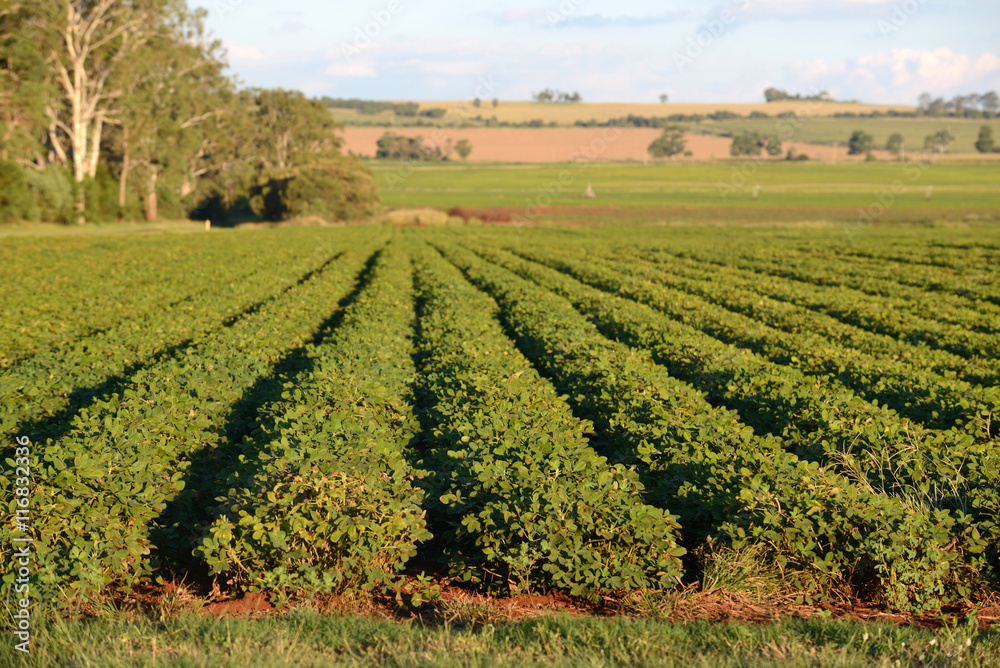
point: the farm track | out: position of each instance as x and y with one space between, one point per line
589 411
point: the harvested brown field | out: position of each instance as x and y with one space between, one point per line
521 111
543 145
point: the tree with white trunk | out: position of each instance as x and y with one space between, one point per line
89 45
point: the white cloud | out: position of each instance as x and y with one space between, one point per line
252 55
352 70
518 15
244 54
810 9
819 70
900 75
314 87
289 27
911 71
454 68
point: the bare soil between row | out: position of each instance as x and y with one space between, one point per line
457 603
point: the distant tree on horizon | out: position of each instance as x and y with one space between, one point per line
985 144
860 142
939 141
973 105
773 94
463 147
754 143
392 146
548 95
668 144
895 144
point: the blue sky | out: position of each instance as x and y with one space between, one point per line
884 51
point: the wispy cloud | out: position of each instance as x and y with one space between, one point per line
558 18
602 21
516 16
900 75
812 10
352 70
289 27
917 70
601 49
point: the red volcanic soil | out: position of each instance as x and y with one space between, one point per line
750 214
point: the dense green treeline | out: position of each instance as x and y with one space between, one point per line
123 110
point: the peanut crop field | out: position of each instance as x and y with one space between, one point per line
605 415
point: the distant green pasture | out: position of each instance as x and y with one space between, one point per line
901 187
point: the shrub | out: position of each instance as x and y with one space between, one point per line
464 148
669 144
723 115
939 141
340 189
860 142
984 144
397 147
15 196
100 196
752 143
895 143
52 191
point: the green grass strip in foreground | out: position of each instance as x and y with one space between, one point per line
309 639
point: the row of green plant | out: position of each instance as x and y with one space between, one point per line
972 313
916 393
827 419
512 399
524 502
642 415
109 480
740 292
882 315
45 384
97 285
971 281
325 498
807 413
823 529
954 258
